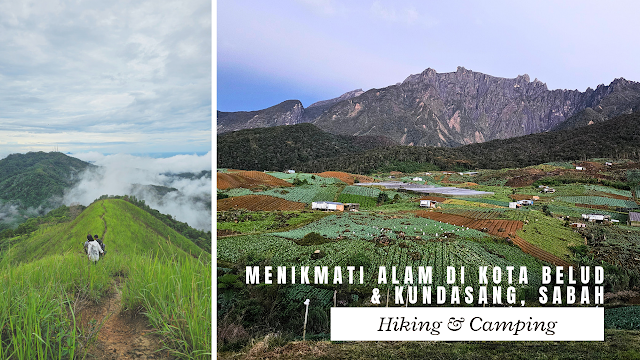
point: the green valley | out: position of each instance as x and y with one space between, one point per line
391 228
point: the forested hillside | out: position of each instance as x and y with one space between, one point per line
615 138
33 178
282 147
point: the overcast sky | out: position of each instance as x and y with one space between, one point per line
106 76
311 50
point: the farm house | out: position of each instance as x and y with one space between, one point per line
417 179
291 171
428 203
327 205
634 218
579 168
578 225
596 217
514 205
525 202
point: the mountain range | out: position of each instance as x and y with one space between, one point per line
450 109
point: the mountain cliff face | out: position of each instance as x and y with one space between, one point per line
286 113
316 109
619 98
450 109
464 107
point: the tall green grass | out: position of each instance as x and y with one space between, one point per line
176 297
37 314
44 276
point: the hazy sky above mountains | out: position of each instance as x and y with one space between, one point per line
106 76
311 50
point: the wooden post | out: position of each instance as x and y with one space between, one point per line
335 292
306 312
387 296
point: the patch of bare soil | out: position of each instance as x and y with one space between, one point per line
121 336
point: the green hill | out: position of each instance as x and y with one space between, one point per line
35 177
46 277
285 147
123 227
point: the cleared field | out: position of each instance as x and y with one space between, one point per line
247 179
494 227
346 177
589 206
257 203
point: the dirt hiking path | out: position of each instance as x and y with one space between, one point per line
122 336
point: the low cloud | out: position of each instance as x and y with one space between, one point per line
124 174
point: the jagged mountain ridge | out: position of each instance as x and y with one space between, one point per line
464 107
289 112
453 109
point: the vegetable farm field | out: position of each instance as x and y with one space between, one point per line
258 203
598 200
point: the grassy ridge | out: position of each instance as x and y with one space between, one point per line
123 227
45 273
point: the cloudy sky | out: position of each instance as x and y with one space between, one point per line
311 50
106 76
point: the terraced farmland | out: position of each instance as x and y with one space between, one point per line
477 213
501 228
258 203
368 226
346 177
438 254
247 179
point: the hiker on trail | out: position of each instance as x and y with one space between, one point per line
102 245
93 251
86 243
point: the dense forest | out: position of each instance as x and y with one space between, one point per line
33 178
289 146
615 138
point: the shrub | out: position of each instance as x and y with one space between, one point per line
312 238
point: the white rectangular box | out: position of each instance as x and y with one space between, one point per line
467 324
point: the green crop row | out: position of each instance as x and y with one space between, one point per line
368 226
598 200
438 255
362 191
364 201
608 190
627 317
488 201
